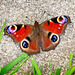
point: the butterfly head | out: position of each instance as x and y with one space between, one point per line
36 23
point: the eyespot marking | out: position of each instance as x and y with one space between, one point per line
11 29
66 19
54 38
8 29
25 44
62 19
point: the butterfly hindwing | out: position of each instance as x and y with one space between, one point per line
30 44
49 40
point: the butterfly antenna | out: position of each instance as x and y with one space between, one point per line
29 19
43 15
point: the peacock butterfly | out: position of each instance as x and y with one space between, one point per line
44 35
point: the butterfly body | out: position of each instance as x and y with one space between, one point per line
44 35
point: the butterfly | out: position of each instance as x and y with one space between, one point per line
45 35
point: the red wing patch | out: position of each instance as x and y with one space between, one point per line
33 46
53 27
46 42
22 33
57 24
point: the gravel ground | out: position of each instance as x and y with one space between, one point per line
15 12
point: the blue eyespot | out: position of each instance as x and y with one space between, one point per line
11 29
66 19
8 29
54 38
25 44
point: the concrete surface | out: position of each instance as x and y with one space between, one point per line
15 12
